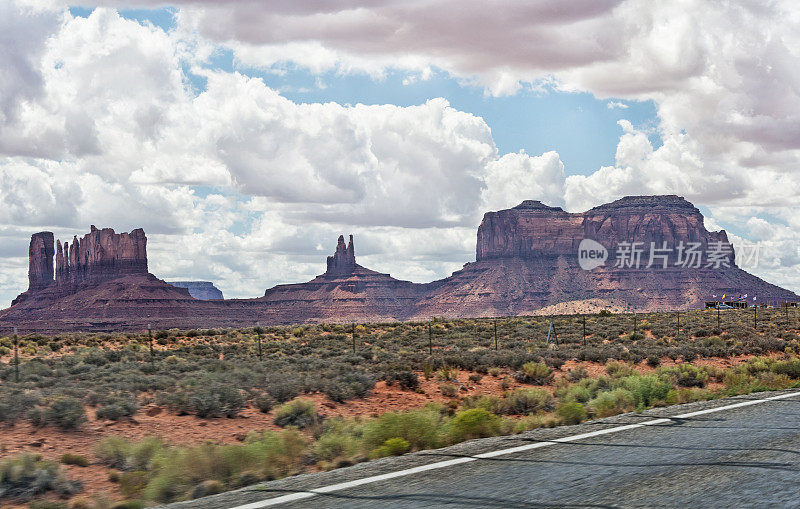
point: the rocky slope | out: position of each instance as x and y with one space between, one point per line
528 260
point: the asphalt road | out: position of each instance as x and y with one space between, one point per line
742 457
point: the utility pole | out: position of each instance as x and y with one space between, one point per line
16 356
258 338
755 316
354 337
495 334
717 318
678 331
634 323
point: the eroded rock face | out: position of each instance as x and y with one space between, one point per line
532 230
97 256
40 260
527 263
343 260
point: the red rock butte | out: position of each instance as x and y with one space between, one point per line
526 263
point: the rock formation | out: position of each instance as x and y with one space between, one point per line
100 255
202 290
40 260
343 260
527 261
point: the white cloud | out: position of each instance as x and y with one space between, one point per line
99 121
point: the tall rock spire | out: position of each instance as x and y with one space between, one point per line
343 260
40 260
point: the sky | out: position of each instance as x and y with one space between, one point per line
244 137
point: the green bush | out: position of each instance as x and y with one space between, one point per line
473 423
536 373
790 368
216 400
28 476
392 447
421 428
571 412
66 413
74 459
117 407
613 402
301 413
526 401
349 386
264 403
647 390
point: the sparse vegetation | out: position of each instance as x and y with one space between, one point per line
213 374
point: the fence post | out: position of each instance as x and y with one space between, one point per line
718 319
584 330
258 338
430 339
495 334
150 340
354 337
16 356
634 323
755 316
678 330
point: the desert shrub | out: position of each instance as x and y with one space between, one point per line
264 403
685 375
790 368
475 377
473 423
65 412
604 312
612 403
341 439
212 399
27 476
301 413
122 454
576 374
283 388
392 447
117 407
448 390
618 369
571 412
132 484
349 386
15 404
647 390
74 459
405 379
579 393
447 373
526 401
176 471
536 373
421 428
491 403
653 361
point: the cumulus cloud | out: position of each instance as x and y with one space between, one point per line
98 119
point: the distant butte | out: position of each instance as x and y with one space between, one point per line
526 262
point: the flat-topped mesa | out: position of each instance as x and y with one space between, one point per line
343 261
40 261
532 230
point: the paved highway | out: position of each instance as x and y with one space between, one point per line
698 455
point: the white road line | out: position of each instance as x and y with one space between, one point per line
492 454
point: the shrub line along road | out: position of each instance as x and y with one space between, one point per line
742 451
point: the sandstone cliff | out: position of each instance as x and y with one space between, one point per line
526 262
